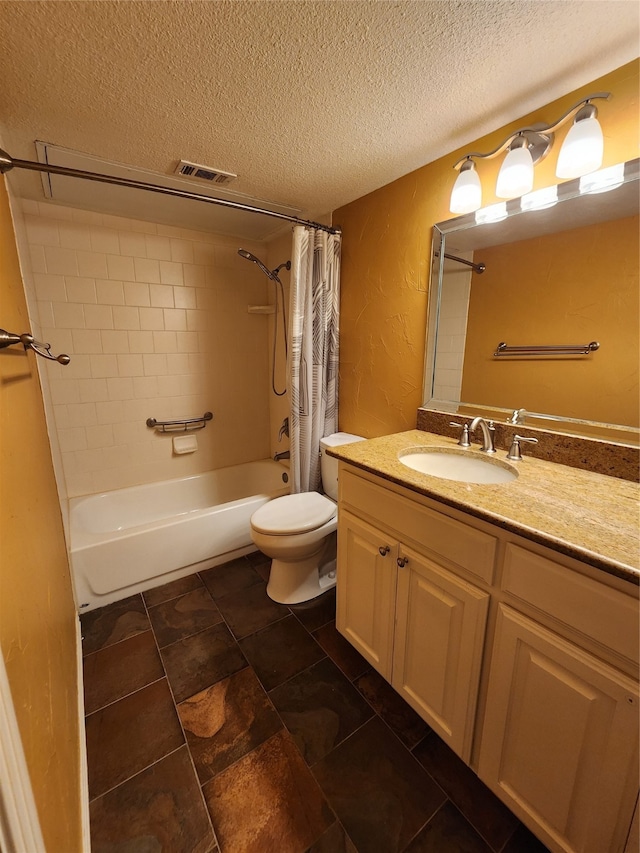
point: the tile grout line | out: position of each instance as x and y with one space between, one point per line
137 773
184 736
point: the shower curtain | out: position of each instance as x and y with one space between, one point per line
313 361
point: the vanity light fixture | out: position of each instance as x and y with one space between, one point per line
580 154
540 199
492 213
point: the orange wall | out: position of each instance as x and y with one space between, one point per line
576 267
37 614
386 251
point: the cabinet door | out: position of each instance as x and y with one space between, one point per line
560 738
366 588
440 629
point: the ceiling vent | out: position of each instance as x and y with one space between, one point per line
197 172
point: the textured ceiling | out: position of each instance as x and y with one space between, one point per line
313 104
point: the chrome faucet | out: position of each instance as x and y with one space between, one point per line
517 417
488 431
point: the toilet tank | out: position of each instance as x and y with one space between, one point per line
329 465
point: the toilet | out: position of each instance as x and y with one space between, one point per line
298 532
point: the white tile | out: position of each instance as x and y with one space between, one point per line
29 206
81 414
55 211
126 317
130 365
115 341
91 264
42 232
64 391
182 251
169 386
61 340
120 267
194 276
93 390
132 244
87 217
73 236
136 293
110 292
45 313
178 363
61 417
203 254
154 365
187 341
99 436
68 315
184 297
79 485
80 289
161 296
36 257
116 456
105 240
205 300
141 341
49 288
110 413
165 342
146 270
175 319
86 341
120 388
151 318
98 316
197 321
145 387
171 273
74 438
90 460
103 366
60 261
158 247
78 368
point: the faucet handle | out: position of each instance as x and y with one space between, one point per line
463 441
514 453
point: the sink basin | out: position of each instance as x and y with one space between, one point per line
461 465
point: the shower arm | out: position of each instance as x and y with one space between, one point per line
7 163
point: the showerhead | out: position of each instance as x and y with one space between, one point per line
244 254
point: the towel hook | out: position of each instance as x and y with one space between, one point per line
8 339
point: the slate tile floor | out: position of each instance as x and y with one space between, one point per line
221 722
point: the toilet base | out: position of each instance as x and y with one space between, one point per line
291 583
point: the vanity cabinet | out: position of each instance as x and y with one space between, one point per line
413 618
523 661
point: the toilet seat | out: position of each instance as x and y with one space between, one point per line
292 514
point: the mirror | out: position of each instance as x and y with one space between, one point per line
563 275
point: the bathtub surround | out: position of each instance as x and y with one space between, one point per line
155 321
279 735
313 365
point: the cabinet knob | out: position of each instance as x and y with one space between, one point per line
402 562
384 550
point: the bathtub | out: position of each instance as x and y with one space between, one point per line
130 540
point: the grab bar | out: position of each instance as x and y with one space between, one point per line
8 339
184 425
557 349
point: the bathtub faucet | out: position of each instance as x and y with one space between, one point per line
285 454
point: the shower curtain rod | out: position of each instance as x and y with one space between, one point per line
7 162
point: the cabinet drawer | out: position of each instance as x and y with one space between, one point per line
605 615
459 543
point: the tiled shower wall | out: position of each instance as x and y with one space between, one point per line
452 327
155 320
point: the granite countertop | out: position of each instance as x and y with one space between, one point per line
591 517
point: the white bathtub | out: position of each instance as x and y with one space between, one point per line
126 541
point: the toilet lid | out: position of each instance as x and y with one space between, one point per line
293 514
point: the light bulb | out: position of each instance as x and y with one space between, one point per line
466 195
515 177
583 146
604 180
539 199
492 213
